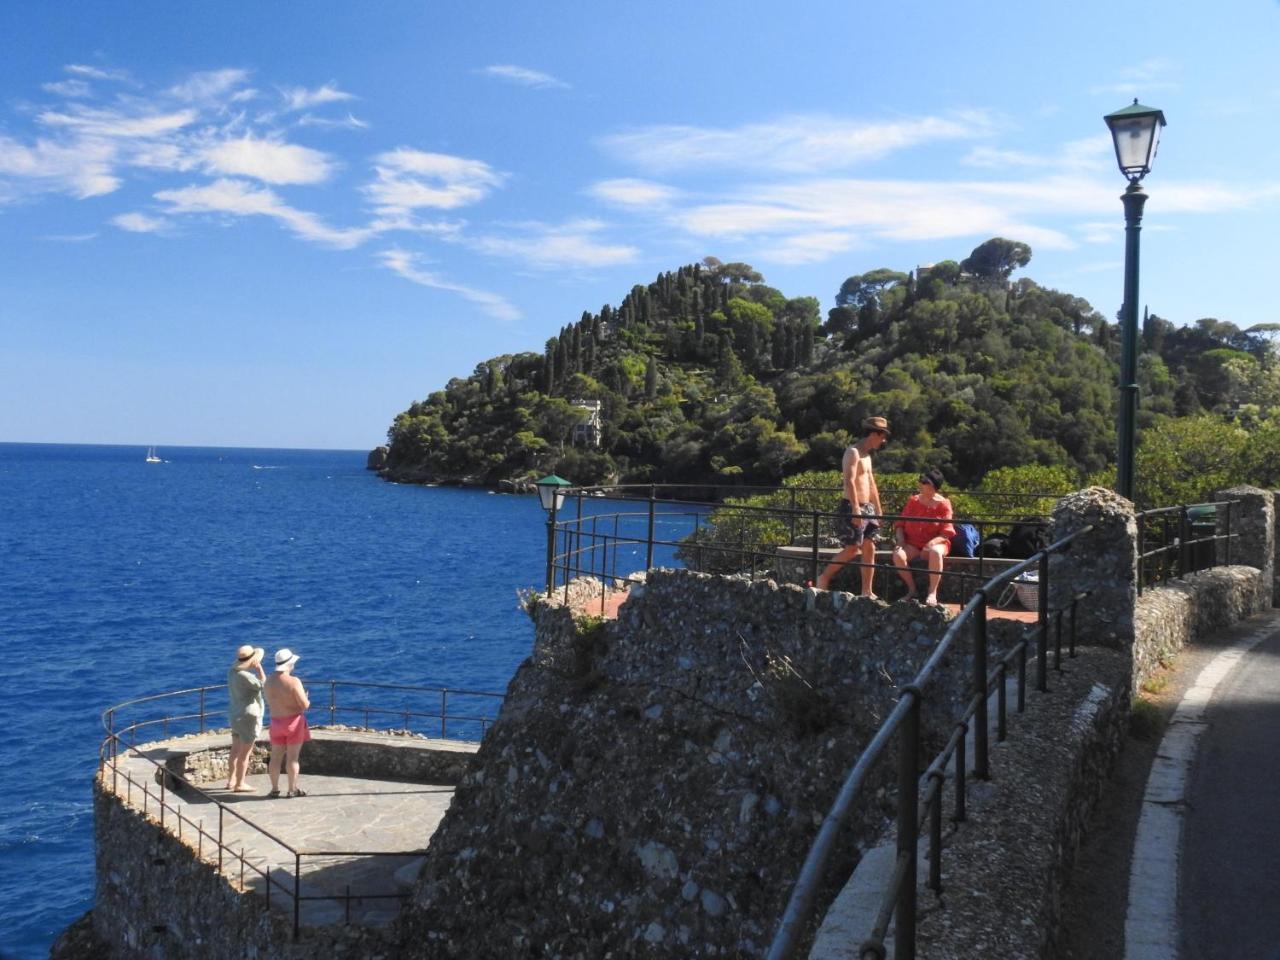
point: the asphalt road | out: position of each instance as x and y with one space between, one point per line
1229 896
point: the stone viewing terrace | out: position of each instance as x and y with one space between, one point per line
340 858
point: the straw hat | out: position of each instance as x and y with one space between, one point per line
247 657
876 423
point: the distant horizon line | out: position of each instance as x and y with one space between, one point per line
179 446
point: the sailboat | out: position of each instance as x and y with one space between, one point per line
151 456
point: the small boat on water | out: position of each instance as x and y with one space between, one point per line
151 456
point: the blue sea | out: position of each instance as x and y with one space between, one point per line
121 578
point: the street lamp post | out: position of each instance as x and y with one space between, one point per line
551 493
1135 130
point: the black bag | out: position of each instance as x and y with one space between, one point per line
1028 537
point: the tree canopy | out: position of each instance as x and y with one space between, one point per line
707 374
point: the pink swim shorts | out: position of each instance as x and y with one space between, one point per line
290 729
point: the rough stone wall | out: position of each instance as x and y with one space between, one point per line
653 785
1253 520
1169 617
346 752
1103 563
155 898
1005 868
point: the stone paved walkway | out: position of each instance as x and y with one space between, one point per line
362 835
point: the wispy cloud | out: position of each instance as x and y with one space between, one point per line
524 77
408 180
1143 78
407 265
70 237
82 169
346 123
809 247
71 87
267 160
237 198
209 85
802 144
140 223
300 98
573 244
95 73
628 192
96 122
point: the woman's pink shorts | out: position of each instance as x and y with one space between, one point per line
290 729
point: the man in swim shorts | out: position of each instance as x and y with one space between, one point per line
856 529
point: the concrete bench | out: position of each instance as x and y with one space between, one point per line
960 575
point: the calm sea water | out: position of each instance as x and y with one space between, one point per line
120 578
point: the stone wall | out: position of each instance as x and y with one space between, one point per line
1169 617
653 785
341 752
155 898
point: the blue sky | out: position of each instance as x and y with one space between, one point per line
277 224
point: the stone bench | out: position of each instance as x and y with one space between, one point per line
960 575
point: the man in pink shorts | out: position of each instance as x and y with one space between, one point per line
288 702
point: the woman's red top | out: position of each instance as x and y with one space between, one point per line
936 522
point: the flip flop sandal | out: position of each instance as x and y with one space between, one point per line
297 793
274 794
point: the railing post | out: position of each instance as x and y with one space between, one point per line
1184 536
1042 626
444 710
1142 550
961 774
904 942
1228 549
648 552
333 699
813 551
297 892
219 839
202 709
980 769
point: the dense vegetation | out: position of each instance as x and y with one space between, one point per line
710 375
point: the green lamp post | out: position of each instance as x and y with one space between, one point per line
1135 129
551 492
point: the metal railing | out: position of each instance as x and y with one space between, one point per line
1175 541
197 719
920 797
590 536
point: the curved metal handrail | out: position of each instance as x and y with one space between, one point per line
905 716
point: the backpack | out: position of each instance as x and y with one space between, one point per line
965 542
1028 537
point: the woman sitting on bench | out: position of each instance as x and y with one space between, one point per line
929 536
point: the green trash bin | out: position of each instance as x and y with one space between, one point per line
1203 523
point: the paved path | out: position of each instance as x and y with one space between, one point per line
356 834
1229 897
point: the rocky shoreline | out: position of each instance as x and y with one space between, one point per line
377 461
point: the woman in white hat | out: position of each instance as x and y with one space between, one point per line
245 711
289 702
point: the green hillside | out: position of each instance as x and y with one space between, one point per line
708 374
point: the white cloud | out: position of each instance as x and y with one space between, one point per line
800 144
573 244
633 193
112 123
95 73
300 98
209 85
267 160
349 123
70 237
1142 78
809 247
524 76
410 179
81 169
238 198
71 87
140 223
406 264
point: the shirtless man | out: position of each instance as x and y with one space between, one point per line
854 527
